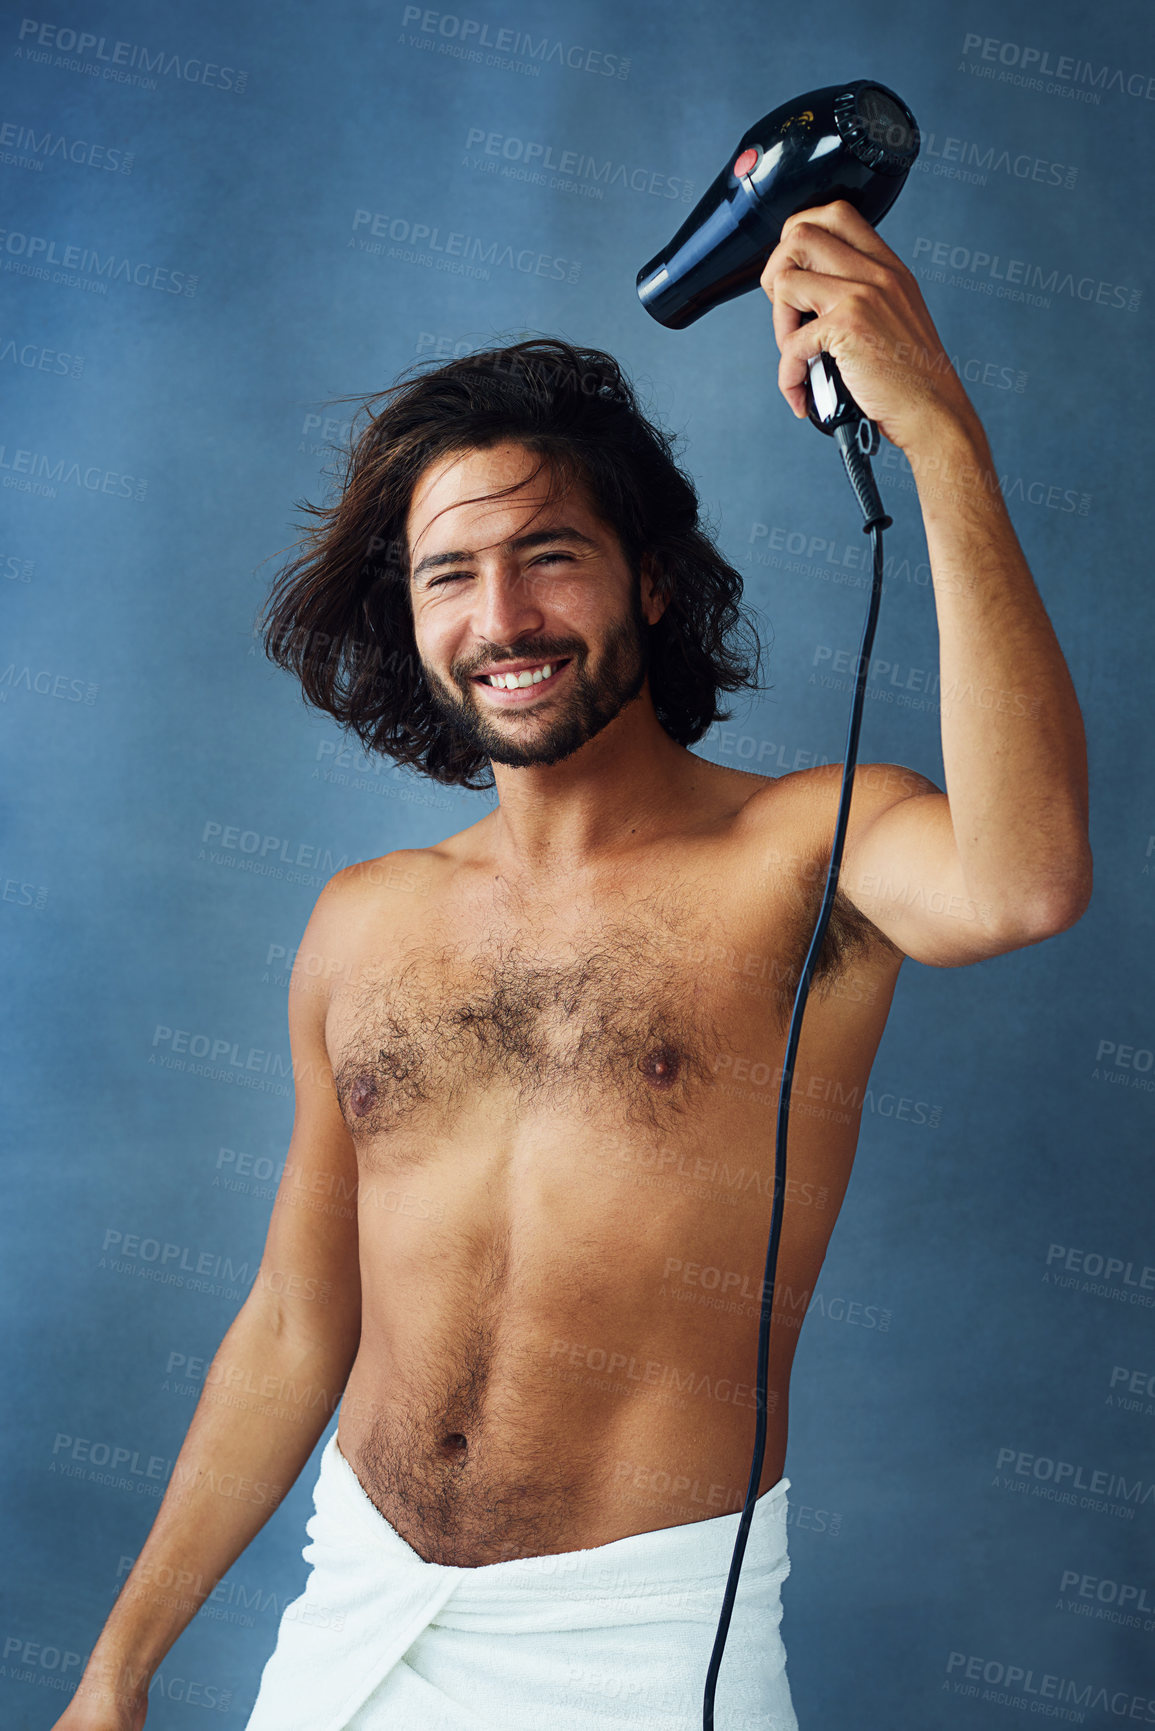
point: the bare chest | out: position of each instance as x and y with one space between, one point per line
624 1012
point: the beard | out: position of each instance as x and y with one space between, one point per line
591 700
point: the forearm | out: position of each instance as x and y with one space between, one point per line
269 1394
1014 752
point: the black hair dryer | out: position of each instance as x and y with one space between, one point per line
852 141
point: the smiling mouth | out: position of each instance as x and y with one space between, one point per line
528 679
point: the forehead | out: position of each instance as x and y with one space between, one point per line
452 499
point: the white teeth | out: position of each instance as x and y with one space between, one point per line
513 681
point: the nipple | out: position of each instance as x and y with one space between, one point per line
661 1065
362 1096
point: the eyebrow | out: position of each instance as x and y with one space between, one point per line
536 538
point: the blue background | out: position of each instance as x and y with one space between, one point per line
155 434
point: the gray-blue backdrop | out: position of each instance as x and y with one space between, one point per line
219 218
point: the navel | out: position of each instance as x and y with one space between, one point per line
660 1066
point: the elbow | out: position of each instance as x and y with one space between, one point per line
1053 908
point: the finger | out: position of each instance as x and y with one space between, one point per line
816 336
814 248
808 291
800 292
787 318
793 377
842 220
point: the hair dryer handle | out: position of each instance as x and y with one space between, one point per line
828 402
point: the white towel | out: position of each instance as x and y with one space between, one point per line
609 1639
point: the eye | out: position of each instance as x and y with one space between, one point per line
454 576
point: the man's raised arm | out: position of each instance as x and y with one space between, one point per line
270 1392
1002 859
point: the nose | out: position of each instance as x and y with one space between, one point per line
505 605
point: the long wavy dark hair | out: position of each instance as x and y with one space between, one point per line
340 617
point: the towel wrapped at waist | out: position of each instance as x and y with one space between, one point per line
608 1639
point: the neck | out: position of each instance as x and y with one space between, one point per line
615 793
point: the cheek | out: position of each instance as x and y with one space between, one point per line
552 593
435 641
590 608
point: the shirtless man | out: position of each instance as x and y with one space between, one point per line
518 1047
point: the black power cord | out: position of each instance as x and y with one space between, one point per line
857 441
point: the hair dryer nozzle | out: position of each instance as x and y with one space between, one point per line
852 141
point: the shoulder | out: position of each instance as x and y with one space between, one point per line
791 823
403 872
358 907
809 797
403 884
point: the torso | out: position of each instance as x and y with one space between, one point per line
563 1105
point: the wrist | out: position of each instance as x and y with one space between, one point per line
954 433
952 465
115 1681
126 1657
